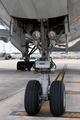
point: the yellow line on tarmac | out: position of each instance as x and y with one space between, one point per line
18 70
72 92
71 115
21 113
45 111
60 76
65 66
71 82
74 20
66 115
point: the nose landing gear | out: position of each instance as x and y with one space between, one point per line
36 92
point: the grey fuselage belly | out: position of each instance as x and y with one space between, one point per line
44 9
36 9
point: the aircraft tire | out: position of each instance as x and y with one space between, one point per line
29 66
57 98
32 103
21 65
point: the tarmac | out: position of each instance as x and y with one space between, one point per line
13 84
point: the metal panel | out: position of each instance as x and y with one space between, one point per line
42 64
74 18
36 8
4 16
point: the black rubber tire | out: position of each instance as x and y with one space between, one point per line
57 98
29 65
21 65
31 101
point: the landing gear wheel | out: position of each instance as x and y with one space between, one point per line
29 65
21 65
32 103
57 98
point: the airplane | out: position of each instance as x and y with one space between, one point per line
2 54
5 56
48 25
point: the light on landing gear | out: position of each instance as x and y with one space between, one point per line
36 34
51 34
